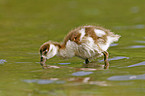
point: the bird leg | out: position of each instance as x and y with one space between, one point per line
86 65
106 55
86 61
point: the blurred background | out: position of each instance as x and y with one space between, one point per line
26 24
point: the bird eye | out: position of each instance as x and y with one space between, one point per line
45 52
75 38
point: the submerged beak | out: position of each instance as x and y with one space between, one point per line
42 62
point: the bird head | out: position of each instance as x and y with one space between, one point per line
47 51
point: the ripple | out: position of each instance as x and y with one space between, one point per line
87 69
137 46
33 53
41 81
30 81
134 9
45 81
81 73
64 63
115 44
23 62
138 64
2 61
119 57
116 58
99 83
127 77
140 26
140 41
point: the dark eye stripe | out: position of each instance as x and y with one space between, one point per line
45 52
44 49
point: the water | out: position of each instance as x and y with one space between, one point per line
2 61
138 64
140 41
127 77
114 44
130 27
81 73
44 81
137 46
26 24
64 63
115 58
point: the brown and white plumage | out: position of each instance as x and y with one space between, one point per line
85 42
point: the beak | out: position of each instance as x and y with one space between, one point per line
42 62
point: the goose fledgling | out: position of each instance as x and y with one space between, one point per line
85 42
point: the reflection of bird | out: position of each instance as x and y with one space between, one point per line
85 42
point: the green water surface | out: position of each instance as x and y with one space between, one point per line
26 24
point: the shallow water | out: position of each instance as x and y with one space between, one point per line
137 46
64 63
140 41
26 24
127 77
2 61
81 73
44 81
138 64
115 58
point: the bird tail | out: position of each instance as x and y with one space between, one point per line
114 37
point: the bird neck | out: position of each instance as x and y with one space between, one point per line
66 51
